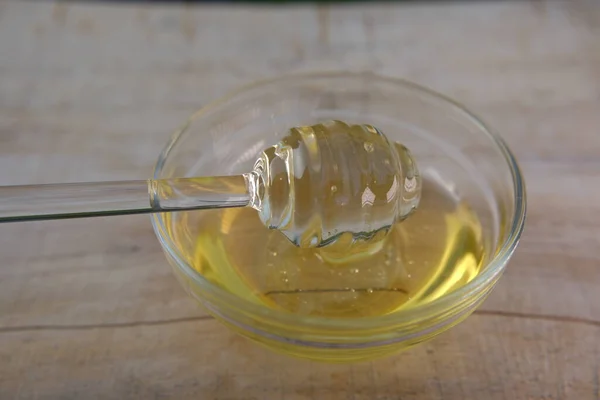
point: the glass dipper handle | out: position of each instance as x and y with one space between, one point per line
81 200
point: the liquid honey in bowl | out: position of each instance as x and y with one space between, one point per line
416 258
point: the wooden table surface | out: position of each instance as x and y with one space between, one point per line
90 91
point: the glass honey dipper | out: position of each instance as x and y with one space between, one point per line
318 184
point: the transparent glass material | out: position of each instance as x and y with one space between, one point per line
445 139
97 199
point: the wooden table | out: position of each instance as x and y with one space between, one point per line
91 91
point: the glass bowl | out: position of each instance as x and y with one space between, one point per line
225 138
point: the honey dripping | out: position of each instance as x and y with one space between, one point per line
355 229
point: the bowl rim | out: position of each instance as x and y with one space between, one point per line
447 302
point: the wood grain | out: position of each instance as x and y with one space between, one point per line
90 91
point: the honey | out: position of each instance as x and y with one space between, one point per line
343 254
